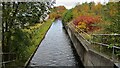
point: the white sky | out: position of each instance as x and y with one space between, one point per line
71 3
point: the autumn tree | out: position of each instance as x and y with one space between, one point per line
57 12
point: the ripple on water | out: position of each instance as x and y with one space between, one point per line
55 49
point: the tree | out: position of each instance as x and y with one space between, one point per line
17 16
68 15
115 20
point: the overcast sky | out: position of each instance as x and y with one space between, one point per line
71 3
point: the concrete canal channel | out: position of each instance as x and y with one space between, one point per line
56 49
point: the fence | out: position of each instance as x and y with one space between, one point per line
7 58
106 44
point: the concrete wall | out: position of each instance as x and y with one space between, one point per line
88 56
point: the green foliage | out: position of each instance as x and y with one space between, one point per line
114 27
68 16
20 31
108 17
24 41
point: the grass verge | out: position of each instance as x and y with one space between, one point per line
29 40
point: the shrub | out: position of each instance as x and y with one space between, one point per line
88 20
54 15
82 25
68 16
24 41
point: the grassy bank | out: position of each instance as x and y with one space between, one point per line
27 40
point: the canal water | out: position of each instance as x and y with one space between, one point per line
56 49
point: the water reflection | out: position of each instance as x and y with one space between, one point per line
55 49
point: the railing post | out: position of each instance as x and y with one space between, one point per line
113 53
93 40
93 37
102 42
113 58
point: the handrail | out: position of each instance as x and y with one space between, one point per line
7 53
4 62
98 35
105 45
106 34
81 36
7 62
100 44
80 30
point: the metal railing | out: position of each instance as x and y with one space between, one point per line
83 34
7 58
106 44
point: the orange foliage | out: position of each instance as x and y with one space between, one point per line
88 20
57 12
54 15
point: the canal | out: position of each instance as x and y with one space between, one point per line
56 49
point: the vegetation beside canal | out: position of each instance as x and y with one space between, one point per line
90 19
26 47
24 25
